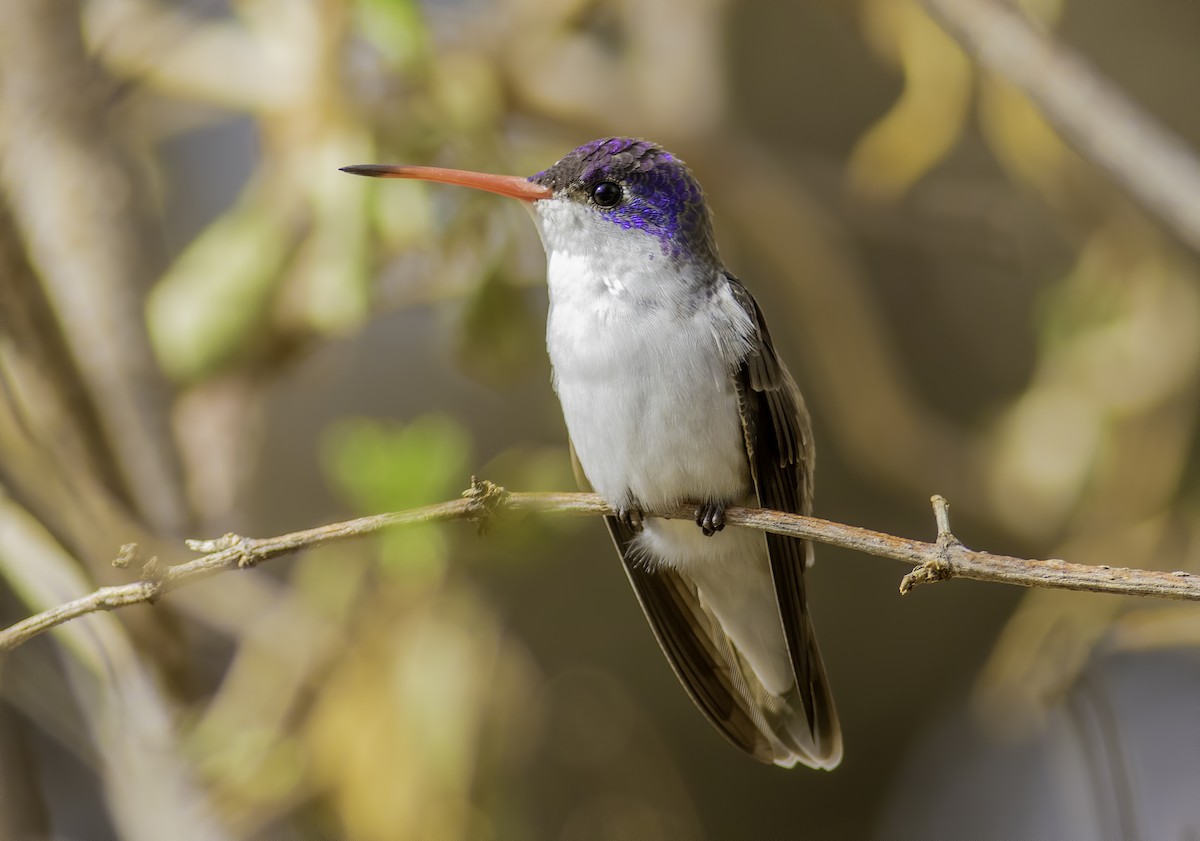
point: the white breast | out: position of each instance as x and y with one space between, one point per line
643 363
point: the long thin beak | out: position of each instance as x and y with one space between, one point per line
506 185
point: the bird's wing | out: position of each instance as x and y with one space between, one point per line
779 445
700 653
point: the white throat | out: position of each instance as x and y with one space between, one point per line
591 256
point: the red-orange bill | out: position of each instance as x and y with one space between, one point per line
506 185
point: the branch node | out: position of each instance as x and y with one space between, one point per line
216 544
127 555
487 499
941 567
247 549
153 575
937 569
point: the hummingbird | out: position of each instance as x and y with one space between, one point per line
673 392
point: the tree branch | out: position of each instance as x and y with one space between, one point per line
1097 120
947 558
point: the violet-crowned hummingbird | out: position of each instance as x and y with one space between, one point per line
673 392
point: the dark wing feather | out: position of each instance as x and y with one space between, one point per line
698 650
699 653
779 444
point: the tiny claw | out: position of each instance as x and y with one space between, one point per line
710 517
630 517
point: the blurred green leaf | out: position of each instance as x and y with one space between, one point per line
500 338
389 466
467 92
403 218
330 288
536 469
396 28
926 122
382 465
212 300
1094 293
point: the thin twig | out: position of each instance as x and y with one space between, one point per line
1097 120
947 558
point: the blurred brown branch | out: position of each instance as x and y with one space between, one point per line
947 558
1101 124
81 199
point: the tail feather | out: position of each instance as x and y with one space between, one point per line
719 624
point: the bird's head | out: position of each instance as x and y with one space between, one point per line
613 192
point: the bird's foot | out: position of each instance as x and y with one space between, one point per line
710 517
630 516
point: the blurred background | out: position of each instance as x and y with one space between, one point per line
205 327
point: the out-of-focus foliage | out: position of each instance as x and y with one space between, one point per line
211 302
500 337
380 467
206 327
1121 341
927 120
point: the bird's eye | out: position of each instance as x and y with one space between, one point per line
607 194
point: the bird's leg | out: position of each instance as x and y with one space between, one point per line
710 517
630 515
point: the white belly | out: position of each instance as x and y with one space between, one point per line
650 406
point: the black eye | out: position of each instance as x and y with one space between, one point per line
607 194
